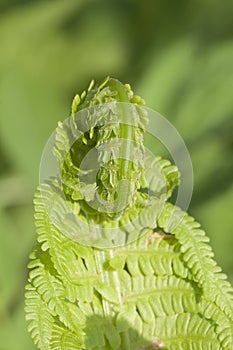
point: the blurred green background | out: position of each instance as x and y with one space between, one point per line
178 55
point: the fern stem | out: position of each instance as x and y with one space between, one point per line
125 341
125 129
100 259
116 280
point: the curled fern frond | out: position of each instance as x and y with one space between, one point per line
116 265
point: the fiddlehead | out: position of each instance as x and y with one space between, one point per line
112 133
116 265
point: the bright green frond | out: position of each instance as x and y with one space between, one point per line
156 284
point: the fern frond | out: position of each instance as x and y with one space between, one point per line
40 321
52 291
187 331
166 179
224 325
65 253
198 256
62 338
156 284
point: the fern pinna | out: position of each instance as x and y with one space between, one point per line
117 266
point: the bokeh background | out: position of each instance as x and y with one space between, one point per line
178 55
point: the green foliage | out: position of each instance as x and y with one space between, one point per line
161 290
178 56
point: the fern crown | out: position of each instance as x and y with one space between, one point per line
116 264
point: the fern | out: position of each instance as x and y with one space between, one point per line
134 271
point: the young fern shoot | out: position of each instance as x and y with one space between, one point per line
116 265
